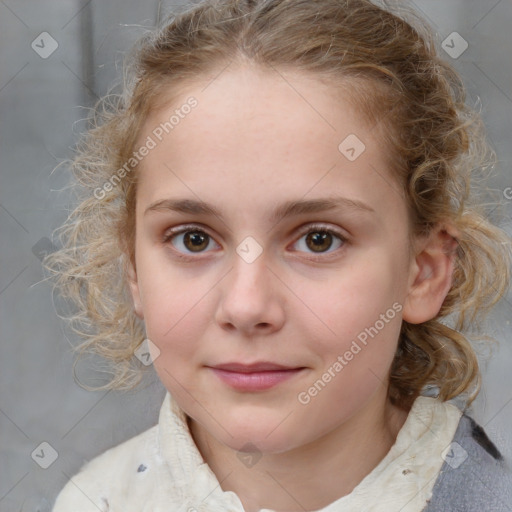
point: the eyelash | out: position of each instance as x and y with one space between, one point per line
311 228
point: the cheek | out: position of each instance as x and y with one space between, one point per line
363 312
356 298
176 319
362 309
175 304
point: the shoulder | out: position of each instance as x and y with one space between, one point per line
474 476
112 473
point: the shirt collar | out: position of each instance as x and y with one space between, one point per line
405 475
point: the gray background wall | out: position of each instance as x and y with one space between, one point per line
42 101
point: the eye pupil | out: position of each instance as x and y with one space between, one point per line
319 239
197 240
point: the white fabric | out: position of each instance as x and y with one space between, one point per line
161 470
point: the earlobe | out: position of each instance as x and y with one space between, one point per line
431 277
134 289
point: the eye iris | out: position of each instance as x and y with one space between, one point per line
318 240
195 240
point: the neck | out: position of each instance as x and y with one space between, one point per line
311 476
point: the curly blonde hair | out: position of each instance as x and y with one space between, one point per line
413 97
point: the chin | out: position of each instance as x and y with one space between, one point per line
265 434
259 443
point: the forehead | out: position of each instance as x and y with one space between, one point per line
252 129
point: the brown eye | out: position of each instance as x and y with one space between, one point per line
187 241
196 241
320 240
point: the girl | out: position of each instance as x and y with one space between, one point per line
277 211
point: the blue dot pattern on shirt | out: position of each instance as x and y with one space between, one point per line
141 468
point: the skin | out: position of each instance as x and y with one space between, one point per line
252 143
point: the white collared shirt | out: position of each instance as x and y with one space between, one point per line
161 470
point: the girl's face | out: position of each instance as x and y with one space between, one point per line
267 234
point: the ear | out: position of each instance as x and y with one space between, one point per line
431 276
134 289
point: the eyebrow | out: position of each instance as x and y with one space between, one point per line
287 209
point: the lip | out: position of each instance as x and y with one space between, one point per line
254 377
262 366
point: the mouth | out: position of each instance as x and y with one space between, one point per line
254 377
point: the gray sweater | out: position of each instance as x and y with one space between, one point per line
474 477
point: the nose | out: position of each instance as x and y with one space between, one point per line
251 299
